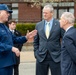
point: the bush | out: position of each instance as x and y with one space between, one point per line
75 25
24 27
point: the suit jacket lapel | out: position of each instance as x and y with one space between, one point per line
43 29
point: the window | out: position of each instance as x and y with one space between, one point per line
15 11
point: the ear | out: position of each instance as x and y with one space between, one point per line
9 24
0 12
52 13
66 22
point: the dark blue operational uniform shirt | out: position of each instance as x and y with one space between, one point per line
6 43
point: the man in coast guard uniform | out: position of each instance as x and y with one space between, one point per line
7 50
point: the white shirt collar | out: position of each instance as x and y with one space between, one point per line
68 28
49 21
11 30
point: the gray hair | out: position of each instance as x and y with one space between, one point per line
50 7
69 17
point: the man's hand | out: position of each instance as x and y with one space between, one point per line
31 34
16 51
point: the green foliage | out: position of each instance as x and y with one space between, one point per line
24 27
75 25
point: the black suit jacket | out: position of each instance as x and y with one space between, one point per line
19 46
52 44
68 53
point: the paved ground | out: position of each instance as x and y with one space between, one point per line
27 68
27 65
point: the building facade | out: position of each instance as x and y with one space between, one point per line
25 12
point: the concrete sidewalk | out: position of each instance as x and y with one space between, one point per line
27 56
27 53
27 69
27 61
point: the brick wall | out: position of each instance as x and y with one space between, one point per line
28 13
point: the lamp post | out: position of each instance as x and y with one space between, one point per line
58 11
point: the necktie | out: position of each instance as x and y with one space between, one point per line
47 31
12 31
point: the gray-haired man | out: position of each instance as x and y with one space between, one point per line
47 47
68 49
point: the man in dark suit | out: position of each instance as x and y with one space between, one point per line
12 28
7 39
47 46
68 49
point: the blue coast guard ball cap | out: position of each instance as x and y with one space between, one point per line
5 7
